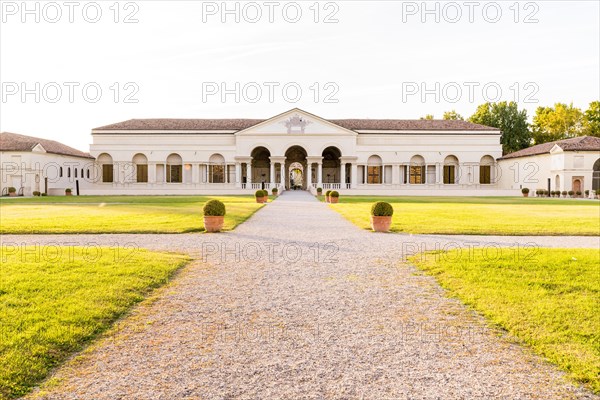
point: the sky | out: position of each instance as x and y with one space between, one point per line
66 68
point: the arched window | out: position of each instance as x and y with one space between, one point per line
216 172
417 170
82 172
485 170
106 164
451 170
174 168
68 172
140 164
596 177
88 173
374 170
75 170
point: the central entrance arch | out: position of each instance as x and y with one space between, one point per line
296 156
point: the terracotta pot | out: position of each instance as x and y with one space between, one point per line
266 199
260 200
525 194
327 199
68 194
213 224
13 194
381 224
333 200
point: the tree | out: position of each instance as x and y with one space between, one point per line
591 120
555 123
506 117
453 115
428 116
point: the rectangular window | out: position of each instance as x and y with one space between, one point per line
485 174
174 173
107 173
217 174
373 175
417 175
449 174
142 173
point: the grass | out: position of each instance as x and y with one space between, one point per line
479 215
117 214
54 300
548 298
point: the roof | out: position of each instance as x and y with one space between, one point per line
580 143
15 142
240 124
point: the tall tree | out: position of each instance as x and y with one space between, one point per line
591 120
506 117
453 115
555 123
428 116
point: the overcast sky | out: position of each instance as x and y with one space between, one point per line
358 60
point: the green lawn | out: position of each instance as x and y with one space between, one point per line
548 298
117 214
53 300
479 215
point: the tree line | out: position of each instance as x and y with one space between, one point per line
561 121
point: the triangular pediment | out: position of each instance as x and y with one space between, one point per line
38 148
296 122
556 149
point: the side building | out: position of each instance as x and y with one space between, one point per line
31 164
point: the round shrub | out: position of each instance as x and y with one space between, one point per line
571 193
525 190
68 190
44 194
319 190
274 190
327 193
259 193
382 209
578 193
587 193
36 193
564 192
214 208
334 194
12 190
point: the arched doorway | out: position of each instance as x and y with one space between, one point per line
596 176
261 165
296 174
331 165
576 185
296 155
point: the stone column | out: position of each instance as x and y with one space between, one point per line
343 175
248 174
151 172
238 175
395 174
226 173
353 175
309 175
320 173
272 174
195 173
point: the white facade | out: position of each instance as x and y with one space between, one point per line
558 170
38 170
270 153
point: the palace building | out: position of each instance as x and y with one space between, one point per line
299 150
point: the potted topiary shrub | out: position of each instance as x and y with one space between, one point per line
587 194
334 197
274 191
265 196
327 193
525 192
12 192
564 193
36 193
578 193
381 216
214 215
260 198
571 193
68 192
319 191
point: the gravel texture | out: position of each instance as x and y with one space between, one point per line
297 303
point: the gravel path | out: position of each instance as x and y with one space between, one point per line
297 303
